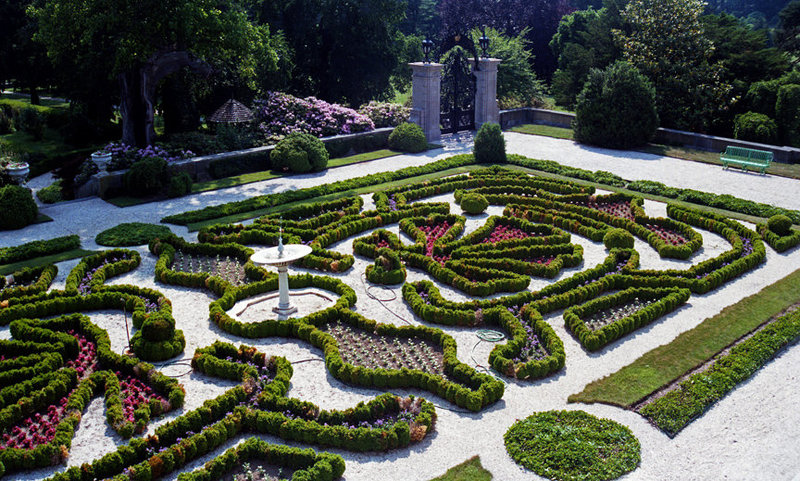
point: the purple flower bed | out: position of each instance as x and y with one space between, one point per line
280 114
123 155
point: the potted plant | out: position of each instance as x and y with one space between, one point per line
101 158
15 168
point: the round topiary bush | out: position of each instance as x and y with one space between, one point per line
388 269
299 153
180 185
755 127
408 137
780 224
617 108
474 203
131 234
156 328
146 177
17 207
619 238
573 445
490 145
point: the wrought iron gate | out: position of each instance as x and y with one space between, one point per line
458 93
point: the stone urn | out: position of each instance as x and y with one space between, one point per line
101 160
18 171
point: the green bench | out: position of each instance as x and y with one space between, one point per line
746 158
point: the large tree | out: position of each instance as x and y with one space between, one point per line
21 59
538 18
344 50
668 44
137 43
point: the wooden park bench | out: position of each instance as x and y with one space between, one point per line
746 158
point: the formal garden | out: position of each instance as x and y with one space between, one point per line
429 240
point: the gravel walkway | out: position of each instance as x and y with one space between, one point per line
751 434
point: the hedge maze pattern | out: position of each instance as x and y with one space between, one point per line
59 360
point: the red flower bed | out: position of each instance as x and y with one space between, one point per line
133 394
432 233
620 208
502 232
667 235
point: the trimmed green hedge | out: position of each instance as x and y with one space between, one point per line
677 408
41 248
131 234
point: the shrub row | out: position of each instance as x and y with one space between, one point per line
599 176
307 464
40 248
720 201
261 202
43 276
514 259
666 301
103 266
676 409
488 281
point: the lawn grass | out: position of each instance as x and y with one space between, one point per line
20 100
242 216
40 261
544 130
469 470
664 364
791 171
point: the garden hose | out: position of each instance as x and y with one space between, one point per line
382 302
487 335
179 362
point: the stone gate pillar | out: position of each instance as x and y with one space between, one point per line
486 109
425 96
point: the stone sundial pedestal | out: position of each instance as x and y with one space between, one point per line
280 257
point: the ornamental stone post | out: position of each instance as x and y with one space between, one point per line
425 96
486 109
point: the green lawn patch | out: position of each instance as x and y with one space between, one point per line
39 261
131 234
573 445
664 364
469 470
365 157
23 101
41 219
128 201
545 130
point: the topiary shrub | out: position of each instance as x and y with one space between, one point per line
755 127
618 238
6 124
388 269
408 137
146 177
490 146
17 207
180 185
780 224
474 203
299 153
617 108
51 194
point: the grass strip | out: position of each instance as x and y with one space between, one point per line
469 470
45 260
782 169
664 364
235 218
545 131
38 248
41 219
676 409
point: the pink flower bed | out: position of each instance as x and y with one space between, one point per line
620 208
667 235
134 393
501 233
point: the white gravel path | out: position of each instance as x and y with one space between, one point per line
751 434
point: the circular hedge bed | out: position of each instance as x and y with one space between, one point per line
131 234
573 445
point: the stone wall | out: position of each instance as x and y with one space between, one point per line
711 143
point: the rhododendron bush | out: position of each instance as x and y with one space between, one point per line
280 114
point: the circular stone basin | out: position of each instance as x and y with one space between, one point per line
270 256
259 308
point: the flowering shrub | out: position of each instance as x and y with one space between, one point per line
385 114
123 155
280 114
